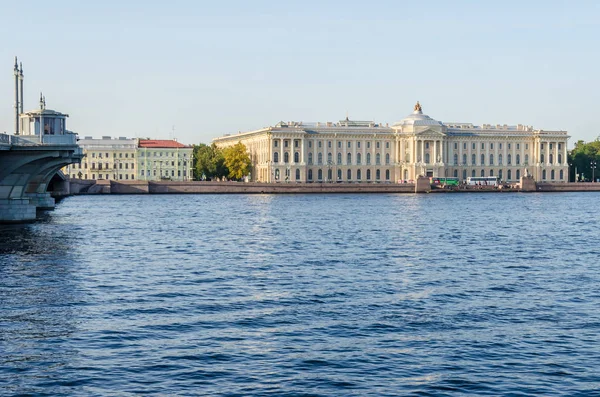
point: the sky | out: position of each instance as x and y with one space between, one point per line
195 70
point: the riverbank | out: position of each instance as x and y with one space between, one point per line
77 186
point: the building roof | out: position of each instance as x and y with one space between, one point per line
161 143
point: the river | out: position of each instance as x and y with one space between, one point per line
303 295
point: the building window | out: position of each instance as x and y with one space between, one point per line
329 158
378 158
559 148
339 158
296 157
561 173
320 144
368 158
387 175
518 158
559 158
426 145
378 174
482 159
358 175
368 175
473 146
482 146
491 172
296 143
551 159
482 173
542 158
297 174
491 159
329 144
310 175
456 173
387 145
286 143
276 157
500 159
455 145
349 176
275 143
358 158
544 174
377 145
473 161
500 174
358 144
500 146
368 145
339 175
518 174
349 158
464 175
455 159
526 159
465 159
552 173
491 146
320 175
320 159
339 144
509 175
387 159
310 144
286 157
426 158
465 148
472 173
310 158
551 149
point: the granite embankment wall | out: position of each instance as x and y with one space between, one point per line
569 187
168 187
136 187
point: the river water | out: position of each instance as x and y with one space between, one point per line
303 295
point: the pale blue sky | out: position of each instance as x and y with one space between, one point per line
136 68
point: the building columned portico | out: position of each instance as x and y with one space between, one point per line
417 145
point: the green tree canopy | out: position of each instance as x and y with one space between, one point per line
210 161
237 160
582 159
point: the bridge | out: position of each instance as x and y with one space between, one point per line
29 159
27 165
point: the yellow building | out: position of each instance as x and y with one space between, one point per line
365 151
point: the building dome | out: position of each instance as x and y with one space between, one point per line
417 118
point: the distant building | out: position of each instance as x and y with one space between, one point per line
164 160
132 159
106 158
365 151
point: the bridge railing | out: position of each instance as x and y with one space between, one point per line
5 138
29 140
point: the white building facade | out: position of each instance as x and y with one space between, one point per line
364 151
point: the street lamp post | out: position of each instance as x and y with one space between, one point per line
593 165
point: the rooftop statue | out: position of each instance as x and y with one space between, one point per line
418 107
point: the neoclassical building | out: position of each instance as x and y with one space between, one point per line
364 151
133 159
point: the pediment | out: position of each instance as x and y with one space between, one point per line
431 132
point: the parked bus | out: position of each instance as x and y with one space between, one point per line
483 180
442 181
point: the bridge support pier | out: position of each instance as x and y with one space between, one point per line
43 201
17 210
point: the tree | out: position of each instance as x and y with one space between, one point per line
237 160
209 161
581 158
